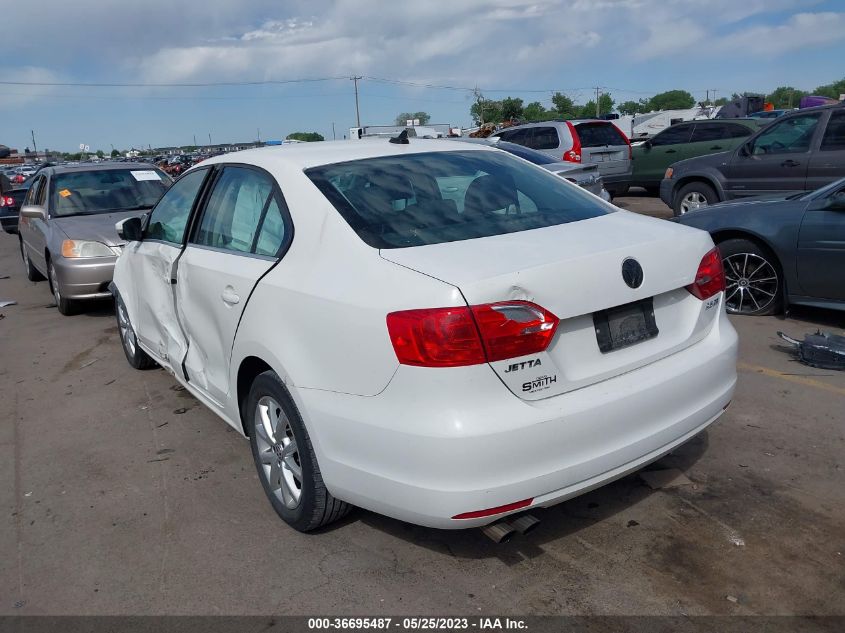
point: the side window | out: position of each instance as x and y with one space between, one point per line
234 210
673 135
738 131
520 137
34 193
544 138
834 135
273 230
170 216
788 136
704 132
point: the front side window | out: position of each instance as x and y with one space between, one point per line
234 210
170 216
834 135
673 136
35 193
106 190
788 136
436 197
520 137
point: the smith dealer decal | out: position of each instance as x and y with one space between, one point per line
539 384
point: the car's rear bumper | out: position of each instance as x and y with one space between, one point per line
437 443
87 278
9 223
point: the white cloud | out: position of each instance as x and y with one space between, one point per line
13 97
799 31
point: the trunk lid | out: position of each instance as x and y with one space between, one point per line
574 270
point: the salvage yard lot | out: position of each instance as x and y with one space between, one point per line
124 495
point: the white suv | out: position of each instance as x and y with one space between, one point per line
435 331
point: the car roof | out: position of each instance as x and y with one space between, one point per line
315 154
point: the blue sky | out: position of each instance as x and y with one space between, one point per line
631 48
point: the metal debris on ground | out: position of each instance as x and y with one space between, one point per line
7 302
822 349
668 478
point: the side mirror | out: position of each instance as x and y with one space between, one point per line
745 149
33 212
130 229
647 144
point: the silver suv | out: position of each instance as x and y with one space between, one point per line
579 141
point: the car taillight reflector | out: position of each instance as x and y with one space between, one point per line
477 514
456 337
7 201
574 154
710 278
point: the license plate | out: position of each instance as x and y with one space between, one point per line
625 325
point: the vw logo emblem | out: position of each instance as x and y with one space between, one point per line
632 272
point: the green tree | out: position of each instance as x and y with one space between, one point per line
100 154
486 111
832 90
403 117
630 107
115 153
672 100
785 97
305 136
721 101
512 108
535 111
564 107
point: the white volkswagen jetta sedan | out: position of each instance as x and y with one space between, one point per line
439 332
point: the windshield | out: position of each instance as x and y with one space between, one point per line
436 197
531 155
106 190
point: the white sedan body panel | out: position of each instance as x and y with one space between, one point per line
425 444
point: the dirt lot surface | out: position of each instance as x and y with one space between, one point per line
123 495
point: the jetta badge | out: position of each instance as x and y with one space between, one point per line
632 272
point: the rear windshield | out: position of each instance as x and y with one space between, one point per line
599 134
106 190
436 197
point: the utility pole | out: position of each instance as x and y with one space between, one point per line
334 136
259 134
357 110
195 140
34 148
209 138
598 107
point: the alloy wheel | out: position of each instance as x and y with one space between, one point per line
127 334
278 452
54 284
752 283
692 201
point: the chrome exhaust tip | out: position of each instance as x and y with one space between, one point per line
525 524
500 532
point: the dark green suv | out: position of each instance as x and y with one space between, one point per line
686 140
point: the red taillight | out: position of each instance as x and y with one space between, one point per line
456 337
573 155
477 514
710 278
7 201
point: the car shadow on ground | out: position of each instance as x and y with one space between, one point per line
560 521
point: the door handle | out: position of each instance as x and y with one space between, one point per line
716 147
229 297
790 163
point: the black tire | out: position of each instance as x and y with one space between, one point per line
617 190
66 306
135 356
749 262
653 191
315 506
31 271
698 189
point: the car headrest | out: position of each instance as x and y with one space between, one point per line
489 193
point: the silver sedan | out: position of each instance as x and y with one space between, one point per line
67 220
